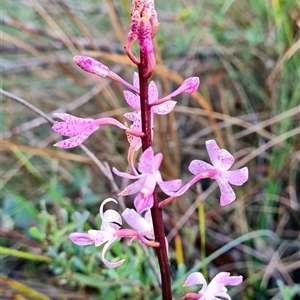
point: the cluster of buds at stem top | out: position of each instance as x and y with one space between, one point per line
143 27
110 231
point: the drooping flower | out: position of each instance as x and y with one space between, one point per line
110 231
215 289
146 181
79 129
222 161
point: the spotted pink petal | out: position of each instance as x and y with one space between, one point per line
164 108
81 239
111 216
213 151
132 99
227 193
134 187
169 187
142 202
225 160
105 261
99 236
72 119
146 161
198 166
152 92
76 140
195 278
72 129
237 177
132 116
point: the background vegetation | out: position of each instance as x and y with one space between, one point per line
246 54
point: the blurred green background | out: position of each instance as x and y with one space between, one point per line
246 54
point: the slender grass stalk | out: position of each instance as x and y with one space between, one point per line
201 219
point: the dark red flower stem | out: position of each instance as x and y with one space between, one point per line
156 212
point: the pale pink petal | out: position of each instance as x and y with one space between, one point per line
81 239
152 92
227 193
198 166
222 279
134 187
131 116
76 140
195 278
169 187
136 221
225 160
157 161
110 227
132 99
237 177
146 161
142 202
111 216
105 261
213 151
136 80
164 108
126 175
99 236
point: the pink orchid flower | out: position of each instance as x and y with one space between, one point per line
79 129
222 161
146 181
160 106
215 289
133 100
110 232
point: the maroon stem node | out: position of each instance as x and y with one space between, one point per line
156 212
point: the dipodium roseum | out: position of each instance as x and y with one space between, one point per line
79 129
110 231
222 161
215 289
146 181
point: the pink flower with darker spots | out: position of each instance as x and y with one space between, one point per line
146 181
222 161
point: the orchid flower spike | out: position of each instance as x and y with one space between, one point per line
146 181
79 129
110 232
222 161
215 289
